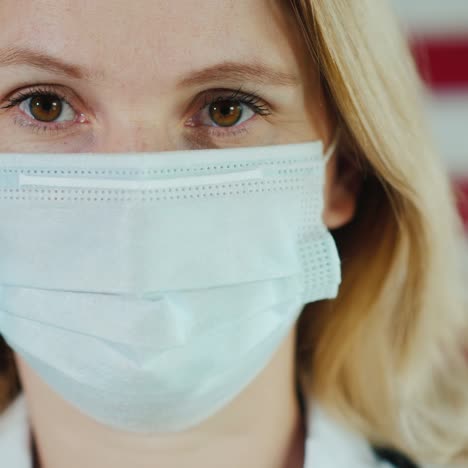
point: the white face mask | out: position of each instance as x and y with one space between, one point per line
150 289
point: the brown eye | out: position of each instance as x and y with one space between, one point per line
46 108
226 113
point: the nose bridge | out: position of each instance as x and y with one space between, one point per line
132 138
135 131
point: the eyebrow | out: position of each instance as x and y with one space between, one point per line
37 59
259 73
255 72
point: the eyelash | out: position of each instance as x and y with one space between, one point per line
251 99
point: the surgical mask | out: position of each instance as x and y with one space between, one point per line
150 289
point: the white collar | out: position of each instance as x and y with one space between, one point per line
14 435
327 445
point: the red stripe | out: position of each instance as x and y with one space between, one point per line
461 187
443 61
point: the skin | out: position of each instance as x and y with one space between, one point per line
133 101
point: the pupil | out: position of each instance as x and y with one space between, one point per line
46 108
226 109
226 113
47 105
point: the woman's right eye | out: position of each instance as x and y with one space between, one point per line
47 108
43 109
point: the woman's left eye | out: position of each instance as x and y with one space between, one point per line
229 111
223 113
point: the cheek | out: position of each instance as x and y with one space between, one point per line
17 139
317 110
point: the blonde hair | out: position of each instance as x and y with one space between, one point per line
386 355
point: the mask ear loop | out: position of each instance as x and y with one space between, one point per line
332 147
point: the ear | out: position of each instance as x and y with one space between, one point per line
343 184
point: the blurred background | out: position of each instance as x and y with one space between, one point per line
438 34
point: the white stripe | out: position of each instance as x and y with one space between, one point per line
448 116
26 180
433 17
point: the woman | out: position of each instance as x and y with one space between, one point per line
370 375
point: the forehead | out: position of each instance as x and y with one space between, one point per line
161 37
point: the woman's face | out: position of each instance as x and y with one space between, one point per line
119 76
157 75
